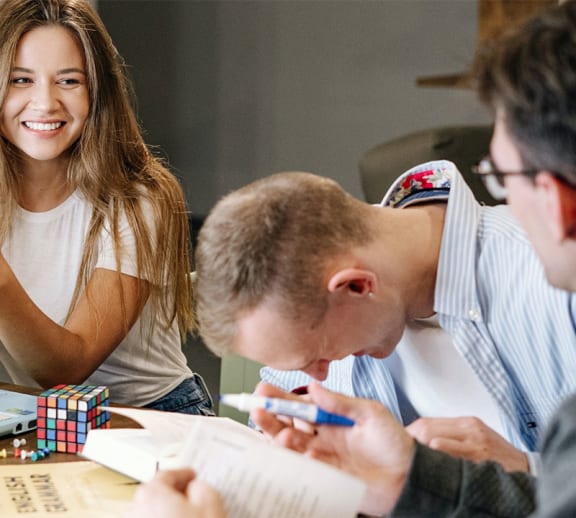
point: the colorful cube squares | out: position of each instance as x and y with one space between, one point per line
67 412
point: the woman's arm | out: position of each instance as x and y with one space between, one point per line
54 354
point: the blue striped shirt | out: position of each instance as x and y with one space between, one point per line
513 328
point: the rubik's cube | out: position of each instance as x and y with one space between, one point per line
67 412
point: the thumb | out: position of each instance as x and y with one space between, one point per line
334 402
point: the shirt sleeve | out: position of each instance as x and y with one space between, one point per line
441 485
534 462
556 494
128 251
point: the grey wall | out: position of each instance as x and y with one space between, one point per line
235 90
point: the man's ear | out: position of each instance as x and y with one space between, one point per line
353 281
560 205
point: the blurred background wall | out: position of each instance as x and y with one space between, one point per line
231 91
235 90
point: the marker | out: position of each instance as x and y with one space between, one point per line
286 407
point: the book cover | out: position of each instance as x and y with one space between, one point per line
64 489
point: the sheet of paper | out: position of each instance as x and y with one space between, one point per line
173 428
65 489
260 479
255 478
170 426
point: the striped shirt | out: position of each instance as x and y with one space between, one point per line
513 328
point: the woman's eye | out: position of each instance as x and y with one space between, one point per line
21 80
69 82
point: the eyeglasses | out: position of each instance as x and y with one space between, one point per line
493 178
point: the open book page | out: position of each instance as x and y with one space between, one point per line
172 427
140 452
64 489
167 428
257 478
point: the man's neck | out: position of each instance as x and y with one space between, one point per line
408 250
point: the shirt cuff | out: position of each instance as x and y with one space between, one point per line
534 462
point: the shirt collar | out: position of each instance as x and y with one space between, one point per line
455 291
423 183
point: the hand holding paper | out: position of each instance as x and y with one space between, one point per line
176 494
377 449
253 477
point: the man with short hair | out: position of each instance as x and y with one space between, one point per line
295 273
529 79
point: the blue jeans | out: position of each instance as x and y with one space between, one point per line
190 397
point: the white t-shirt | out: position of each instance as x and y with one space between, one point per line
45 252
436 379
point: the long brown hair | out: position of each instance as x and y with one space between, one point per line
110 164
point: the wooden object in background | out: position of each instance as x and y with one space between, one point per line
494 16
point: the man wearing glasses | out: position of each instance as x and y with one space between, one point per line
296 274
529 79
469 264
485 377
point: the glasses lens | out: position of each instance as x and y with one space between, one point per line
495 185
492 178
485 166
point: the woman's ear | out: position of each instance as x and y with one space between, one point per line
353 281
560 205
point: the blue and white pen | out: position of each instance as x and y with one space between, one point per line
286 407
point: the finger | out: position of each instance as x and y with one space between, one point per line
322 456
459 428
461 449
453 447
353 408
205 497
294 440
267 422
426 429
305 398
157 498
175 478
304 426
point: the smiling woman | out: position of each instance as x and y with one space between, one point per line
44 113
94 239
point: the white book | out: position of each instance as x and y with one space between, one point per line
255 478
131 451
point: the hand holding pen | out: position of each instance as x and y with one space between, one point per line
274 422
308 412
376 449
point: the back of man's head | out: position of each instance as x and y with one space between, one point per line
529 76
269 242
